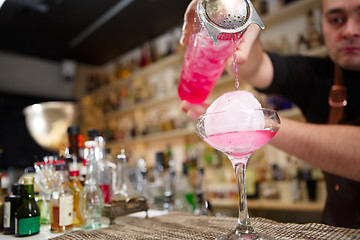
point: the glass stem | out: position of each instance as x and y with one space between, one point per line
243 225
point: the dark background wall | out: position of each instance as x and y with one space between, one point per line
17 148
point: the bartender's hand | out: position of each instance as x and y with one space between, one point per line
245 45
194 110
188 26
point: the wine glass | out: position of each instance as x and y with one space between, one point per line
238 133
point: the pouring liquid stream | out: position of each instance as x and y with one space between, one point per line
236 77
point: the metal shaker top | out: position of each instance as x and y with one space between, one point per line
227 16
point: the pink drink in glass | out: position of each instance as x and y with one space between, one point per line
240 143
203 65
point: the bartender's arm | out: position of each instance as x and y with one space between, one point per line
333 148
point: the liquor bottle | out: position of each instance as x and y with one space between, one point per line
112 168
61 203
83 172
124 190
157 186
42 199
184 192
81 146
76 187
141 178
12 203
73 143
169 181
91 198
202 206
3 194
103 169
27 216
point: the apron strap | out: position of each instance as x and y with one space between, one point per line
337 97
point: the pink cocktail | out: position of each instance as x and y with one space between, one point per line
238 133
241 143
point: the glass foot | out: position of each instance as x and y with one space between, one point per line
249 234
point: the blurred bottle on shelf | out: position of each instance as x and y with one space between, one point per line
157 186
112 168
62 201
76 187
295 184
91 197
154 53
27 216
123 69
311 183
202 204
142 185
145 55
81 146
125 191
169 188
11 204
103 168
83 172
184 192
252 184
73 144
269 188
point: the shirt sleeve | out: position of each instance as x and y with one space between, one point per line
295 77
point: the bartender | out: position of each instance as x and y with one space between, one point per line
326 91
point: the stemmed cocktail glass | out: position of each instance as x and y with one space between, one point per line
238 133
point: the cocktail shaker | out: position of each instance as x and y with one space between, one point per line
222 23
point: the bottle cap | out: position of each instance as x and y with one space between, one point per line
92 133
29 170
28 180
73 130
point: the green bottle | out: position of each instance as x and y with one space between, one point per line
27 217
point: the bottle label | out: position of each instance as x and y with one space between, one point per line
7 214
28 226
66 210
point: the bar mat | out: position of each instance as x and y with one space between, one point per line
178 225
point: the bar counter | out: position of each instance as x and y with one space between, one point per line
179 225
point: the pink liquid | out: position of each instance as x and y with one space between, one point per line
105 189
240 144
203 66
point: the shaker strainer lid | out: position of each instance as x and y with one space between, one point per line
227 16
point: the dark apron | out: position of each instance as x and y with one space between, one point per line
342 208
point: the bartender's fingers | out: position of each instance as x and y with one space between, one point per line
246 43
194 110
188 26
